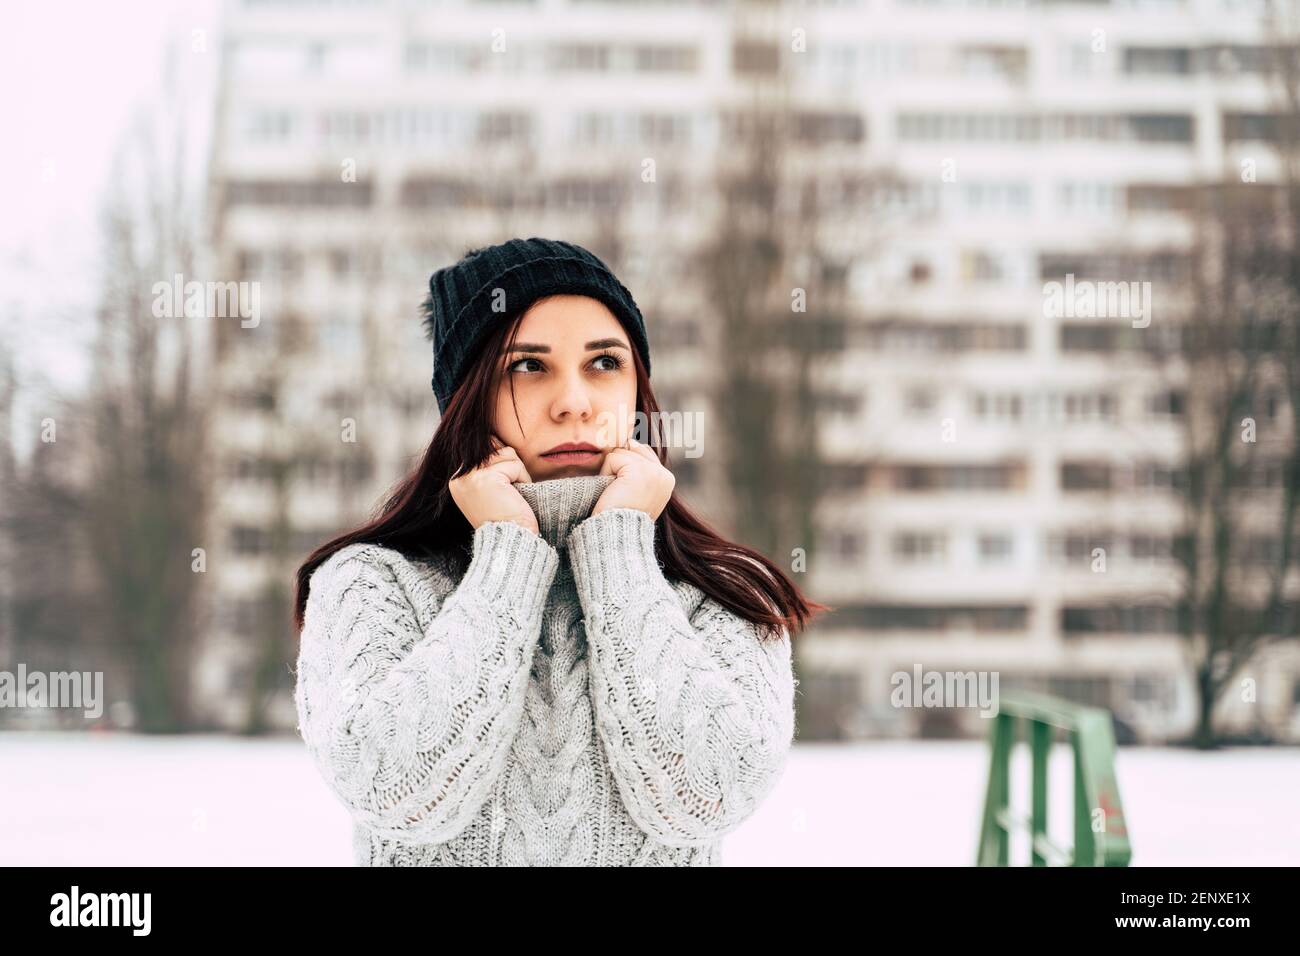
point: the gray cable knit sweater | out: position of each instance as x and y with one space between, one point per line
563 703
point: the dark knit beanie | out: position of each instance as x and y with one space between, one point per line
459 308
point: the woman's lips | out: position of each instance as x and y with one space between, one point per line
565 457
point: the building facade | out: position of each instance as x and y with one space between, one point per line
1001 476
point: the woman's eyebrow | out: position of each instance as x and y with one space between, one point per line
590 346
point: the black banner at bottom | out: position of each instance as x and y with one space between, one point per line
215 906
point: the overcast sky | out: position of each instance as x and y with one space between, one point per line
70 72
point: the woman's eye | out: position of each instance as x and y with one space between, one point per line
615 363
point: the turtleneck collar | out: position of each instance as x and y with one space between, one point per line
561 504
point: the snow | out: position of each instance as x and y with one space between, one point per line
116 799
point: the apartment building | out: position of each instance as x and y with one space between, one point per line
1001 476
1018 515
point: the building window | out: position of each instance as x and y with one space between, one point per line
843 546
1120 619
834 402
1152 690
1088 198
1169 403
578 58
1085 476
268 126
997 406
1173 61
919 400
980 266
957 477
934 618
754 58
1077 547
1151 547
664 59
914 547
250 540
301 193
820 128
995 547
842 476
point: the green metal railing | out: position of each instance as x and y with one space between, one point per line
1100 833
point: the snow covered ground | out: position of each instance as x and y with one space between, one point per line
109 799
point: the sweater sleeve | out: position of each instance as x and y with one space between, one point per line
696 712
409 712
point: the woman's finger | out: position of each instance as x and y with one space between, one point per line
513 469
614 459
644 450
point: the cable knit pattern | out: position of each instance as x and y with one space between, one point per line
563 703
697 712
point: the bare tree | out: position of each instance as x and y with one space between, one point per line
47 597
147 436
758 253
299 447
1239 356
1240 473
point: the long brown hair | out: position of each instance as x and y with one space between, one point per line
420 519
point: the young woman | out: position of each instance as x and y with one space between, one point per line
536 654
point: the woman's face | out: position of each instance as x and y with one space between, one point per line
574 382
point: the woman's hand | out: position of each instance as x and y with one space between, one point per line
488 493
640 481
